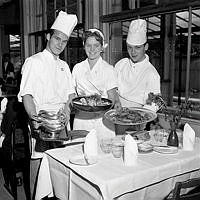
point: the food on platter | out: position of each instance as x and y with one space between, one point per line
131 116
92 103
93 100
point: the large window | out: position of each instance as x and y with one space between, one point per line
41 15
174 45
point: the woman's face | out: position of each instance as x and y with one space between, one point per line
137 52
57 42
93 48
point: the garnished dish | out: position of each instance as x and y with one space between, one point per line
92 103
130 116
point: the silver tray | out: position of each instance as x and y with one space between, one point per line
74 134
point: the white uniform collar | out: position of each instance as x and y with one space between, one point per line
97 63
50 55
139 63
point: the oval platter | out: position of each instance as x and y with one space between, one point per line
130 116
78 104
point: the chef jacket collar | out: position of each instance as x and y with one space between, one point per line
139 63
50 55
96 64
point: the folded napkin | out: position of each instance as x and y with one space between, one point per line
44 178
130 151
91 147
4 104
188 138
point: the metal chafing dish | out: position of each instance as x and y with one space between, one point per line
50 123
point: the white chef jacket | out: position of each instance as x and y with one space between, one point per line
86 80
48 80
136 81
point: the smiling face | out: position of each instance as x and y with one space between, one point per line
56 42
93 48
137 52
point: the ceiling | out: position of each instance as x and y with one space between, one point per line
4 1
10 16
181 24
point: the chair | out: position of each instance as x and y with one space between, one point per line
194 194
16 151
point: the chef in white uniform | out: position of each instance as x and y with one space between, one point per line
95 76
46 79
136 76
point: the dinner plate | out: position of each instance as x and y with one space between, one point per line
166 150
80 160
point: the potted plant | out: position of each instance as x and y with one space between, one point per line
172 115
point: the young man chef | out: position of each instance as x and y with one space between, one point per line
46 79
137 77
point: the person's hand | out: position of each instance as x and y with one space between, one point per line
34 124
63 116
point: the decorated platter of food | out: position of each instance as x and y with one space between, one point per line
130 116
92 103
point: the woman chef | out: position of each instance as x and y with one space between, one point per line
95 76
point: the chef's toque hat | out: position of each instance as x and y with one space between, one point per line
137 32
65 23
101 34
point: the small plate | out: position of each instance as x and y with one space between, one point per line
166 150
145 148
80 160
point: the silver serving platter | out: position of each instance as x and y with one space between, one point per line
79 105
49 122
126 117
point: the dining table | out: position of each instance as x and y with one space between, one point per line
151 178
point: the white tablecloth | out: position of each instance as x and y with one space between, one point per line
152 178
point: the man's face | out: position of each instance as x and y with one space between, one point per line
137 52
57 42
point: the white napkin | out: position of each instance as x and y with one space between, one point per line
4 104
188 138
91 147
44 177
130 151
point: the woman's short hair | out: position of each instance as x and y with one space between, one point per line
94 34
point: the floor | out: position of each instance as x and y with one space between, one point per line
5 195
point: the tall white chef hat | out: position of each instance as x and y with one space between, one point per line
101 34
65 23
137 32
